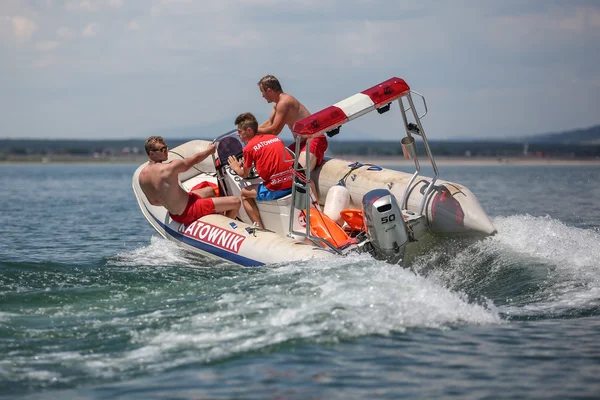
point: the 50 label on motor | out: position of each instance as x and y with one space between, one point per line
388 218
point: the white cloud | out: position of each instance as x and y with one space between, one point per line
116 3
45 61
133 26
47 45
64 32
534 31
171 2
582 20
93 5
86 5
91 30
23 27
366 39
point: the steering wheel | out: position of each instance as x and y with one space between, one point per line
253 174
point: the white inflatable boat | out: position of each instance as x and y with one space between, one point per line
357 208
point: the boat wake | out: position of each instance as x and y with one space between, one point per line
535 267
158 307
223 312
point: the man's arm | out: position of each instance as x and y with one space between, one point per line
270 120
277 120
180 166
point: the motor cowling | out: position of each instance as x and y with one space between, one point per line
386 229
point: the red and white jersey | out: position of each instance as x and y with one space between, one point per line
272 161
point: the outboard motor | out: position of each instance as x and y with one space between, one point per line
386 229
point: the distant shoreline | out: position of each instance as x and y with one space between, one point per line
369 159
473 161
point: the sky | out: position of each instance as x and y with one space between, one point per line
93 69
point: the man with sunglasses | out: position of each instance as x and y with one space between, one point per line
160 183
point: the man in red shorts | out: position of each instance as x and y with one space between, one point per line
271 160
286 111
160 183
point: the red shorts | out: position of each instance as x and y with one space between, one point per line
317 147
196 207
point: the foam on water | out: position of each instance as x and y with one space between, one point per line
314 301
573 280
534 266
160 252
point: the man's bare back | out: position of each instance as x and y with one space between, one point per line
160 184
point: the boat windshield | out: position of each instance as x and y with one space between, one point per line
228 146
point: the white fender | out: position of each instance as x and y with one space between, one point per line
338 199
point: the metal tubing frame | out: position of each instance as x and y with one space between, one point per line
427 149
294 191
424 103
306 234
416 160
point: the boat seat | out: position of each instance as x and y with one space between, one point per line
275 214
284 201
275 205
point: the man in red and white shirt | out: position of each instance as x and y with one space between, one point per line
271 160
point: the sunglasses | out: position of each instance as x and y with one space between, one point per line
163 149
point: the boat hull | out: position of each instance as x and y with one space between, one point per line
450 210
217 236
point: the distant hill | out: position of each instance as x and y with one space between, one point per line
589 135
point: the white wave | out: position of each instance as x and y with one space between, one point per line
159 253
573 280
6 316
315 301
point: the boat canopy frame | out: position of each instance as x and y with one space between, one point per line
330 120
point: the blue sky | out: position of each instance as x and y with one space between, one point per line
94 69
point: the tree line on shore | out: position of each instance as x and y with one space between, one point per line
10 148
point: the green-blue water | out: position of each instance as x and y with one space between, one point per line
93 304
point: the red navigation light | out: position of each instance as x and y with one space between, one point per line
387 91
324 120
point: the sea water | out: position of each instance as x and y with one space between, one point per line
94 304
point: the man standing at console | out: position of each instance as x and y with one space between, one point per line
286 111
160 183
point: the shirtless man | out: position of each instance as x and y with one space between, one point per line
286 111
160 183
